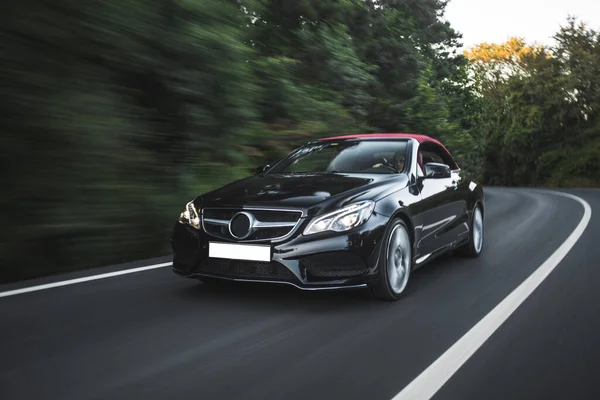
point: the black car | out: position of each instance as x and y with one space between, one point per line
342 212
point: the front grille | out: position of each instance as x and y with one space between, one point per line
216 223
225 214
276 216
268 233
216 230
260 215
246 269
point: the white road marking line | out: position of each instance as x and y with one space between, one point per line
424 386
84 279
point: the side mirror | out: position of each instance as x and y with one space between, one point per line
437 171
262 168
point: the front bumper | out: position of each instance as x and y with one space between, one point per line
316 262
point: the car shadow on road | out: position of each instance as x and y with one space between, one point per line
443 267
272 296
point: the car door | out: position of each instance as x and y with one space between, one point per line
440 202
459 194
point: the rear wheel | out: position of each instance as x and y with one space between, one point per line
395 263
475 244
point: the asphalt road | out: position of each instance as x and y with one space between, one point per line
153 335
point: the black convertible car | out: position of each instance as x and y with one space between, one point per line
341 212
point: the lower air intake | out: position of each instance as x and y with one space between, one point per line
246 269
334 265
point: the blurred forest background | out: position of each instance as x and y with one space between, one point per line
116 113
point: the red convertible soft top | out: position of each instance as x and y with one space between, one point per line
417 137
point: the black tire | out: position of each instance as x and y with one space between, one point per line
383 289
470 249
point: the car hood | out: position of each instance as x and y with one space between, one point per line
301 190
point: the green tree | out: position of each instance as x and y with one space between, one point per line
539 120
118 112
110 110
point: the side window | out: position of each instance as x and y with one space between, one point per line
432 152
429 156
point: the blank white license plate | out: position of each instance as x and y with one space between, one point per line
249 252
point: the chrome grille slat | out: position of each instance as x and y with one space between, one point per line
216 221
269 225
260 224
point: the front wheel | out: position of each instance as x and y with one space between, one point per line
395 263
475 244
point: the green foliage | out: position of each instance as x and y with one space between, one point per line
116 113
572 166
541 109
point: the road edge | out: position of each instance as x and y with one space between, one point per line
53 281
435 376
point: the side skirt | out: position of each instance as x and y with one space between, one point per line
423 260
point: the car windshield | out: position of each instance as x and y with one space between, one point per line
366 157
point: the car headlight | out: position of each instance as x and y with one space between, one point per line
190 216
343 219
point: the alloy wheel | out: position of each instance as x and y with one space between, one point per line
399 258
477 230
